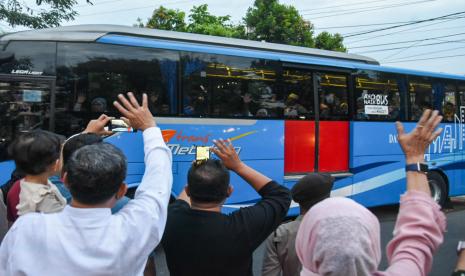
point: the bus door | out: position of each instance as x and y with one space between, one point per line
26 103
316 126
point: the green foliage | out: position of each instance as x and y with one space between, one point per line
266 20
48 13
274 22
167 19
200 21
328 41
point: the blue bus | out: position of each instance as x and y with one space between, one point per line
289 110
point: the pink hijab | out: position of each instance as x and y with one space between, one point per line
339 237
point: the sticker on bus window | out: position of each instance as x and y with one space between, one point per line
376 110
33 96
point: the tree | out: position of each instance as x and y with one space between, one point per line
166 19
45 13
328 41
266 20
201 21
274 22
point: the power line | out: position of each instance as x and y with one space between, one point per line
441 57
364 25
344 5
423 45
406 24
407 41
447 19
136 8
429 53
397 32
372 9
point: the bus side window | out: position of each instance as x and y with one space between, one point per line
332 92
420 96
377 96
449 104
298 92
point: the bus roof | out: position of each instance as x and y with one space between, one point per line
89 33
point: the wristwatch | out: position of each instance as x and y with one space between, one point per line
460 247
417 167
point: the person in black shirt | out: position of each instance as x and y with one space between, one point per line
199 239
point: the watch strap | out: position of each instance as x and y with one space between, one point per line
458 273
417 167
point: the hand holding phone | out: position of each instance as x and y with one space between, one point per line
118 125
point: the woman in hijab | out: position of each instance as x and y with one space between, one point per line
341 237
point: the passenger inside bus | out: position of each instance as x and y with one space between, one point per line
293 106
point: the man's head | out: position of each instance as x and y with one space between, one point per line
76 142
95 174
208 182
36 152
311 189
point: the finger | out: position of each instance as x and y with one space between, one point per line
125 102
435 135
121 109
218 153
145 101
436 122
429 124
230 145
106 133
424 117
102 117
400 128
220 145
126 120
133 100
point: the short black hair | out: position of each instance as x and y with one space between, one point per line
34 151
95 173
76 142
208 182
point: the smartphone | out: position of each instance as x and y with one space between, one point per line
202 153
118 125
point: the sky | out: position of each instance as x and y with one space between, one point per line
437 45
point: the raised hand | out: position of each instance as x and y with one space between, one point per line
98 126
415 143
228 155
139 117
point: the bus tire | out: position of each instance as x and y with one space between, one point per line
438 187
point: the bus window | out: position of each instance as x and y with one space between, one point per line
449 104
90 76
298 91
227 86
25 105
420 96
30 58
332 92
377 96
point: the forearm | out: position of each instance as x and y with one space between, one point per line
157 179
461 261
253 177
417 181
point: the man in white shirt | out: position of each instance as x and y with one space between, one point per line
85 238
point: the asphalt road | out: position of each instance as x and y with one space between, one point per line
444 260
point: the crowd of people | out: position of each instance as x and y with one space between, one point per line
69 215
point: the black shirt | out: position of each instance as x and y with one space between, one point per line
210 243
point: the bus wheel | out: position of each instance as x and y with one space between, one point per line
438 187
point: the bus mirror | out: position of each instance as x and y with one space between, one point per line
6 56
